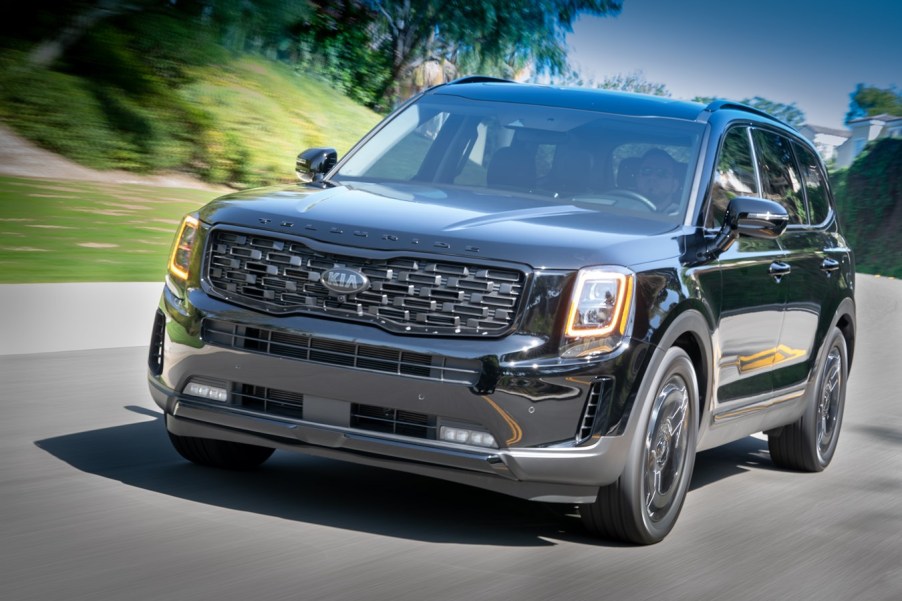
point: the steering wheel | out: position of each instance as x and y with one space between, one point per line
622 194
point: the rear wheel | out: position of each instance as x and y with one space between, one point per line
643 504
809 444
220 453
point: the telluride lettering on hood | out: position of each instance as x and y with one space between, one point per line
556 294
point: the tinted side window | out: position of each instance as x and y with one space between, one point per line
734 175
815 186
780 177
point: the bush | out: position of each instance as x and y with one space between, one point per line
56 111
869 201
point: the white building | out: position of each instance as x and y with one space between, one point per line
864 130
825 139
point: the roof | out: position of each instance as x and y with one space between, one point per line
592 99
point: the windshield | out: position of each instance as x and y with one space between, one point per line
581 157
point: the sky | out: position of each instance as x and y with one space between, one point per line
811 52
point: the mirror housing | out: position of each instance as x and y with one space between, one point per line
313 164
752 217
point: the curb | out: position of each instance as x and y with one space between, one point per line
46 318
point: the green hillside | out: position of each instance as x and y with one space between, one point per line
239 120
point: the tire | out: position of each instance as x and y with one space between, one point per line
220 453
642 506
808 445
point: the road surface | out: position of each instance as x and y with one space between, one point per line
96 505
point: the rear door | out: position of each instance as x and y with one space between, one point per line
805 267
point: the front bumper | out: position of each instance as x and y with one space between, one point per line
552 419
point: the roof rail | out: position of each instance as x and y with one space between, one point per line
717 105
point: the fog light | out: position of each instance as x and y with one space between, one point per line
207 391
463 436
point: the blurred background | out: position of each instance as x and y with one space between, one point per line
207 96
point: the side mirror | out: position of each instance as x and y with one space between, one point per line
756 217
314 163
752 217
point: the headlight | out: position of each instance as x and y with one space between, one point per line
180 258
599 310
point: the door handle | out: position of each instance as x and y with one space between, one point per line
829 265
778 269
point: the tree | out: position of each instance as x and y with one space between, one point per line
867 101
494 37
634 82
87 15
336 42
256 26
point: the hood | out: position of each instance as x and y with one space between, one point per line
412 219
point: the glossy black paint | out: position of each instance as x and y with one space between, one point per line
751 311
461 222
314 163
615 103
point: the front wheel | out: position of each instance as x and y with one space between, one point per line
643 504
220 453
809 444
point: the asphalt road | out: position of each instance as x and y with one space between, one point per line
94 504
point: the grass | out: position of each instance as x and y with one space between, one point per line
73 231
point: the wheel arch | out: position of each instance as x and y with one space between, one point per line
844 320
690 331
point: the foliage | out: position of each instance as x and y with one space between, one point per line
56 111
264 114
253 26
240 122
867 101
111 100
372 50
869 202
335 43
494 37
634 82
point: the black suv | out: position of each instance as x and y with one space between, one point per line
557 294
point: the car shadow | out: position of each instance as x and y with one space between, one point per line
305 489
739 457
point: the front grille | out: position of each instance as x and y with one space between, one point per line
283 403
406 295
393 421
269 400
339 352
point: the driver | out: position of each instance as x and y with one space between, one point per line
657 180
